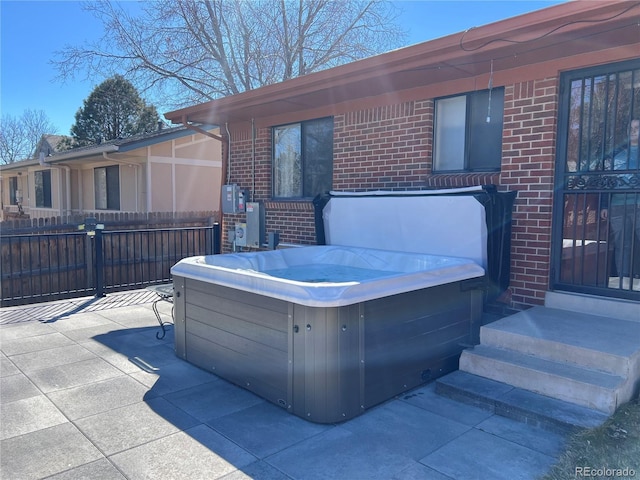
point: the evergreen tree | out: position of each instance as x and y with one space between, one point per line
113 110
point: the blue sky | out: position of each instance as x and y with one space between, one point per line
31 31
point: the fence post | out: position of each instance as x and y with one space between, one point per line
99 264
216 238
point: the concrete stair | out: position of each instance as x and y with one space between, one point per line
552 359
518 404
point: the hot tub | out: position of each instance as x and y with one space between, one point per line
329 331
327 276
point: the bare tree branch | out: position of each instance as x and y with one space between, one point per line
186 51
19 136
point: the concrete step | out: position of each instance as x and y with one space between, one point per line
589 388
518 404
594 305
590 341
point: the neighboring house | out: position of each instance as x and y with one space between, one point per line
172 170
530 103
51 144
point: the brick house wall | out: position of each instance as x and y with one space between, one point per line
528 160
390 147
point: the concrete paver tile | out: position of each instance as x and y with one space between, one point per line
197 453
427 398
119 360
45 452
338 453
478 454
543 441
132 425
418 471
257 471
28 415
405 429
73 374
101 469
16 346
23 330
7 367
173 377
88 333
16 387
53 357
79 321
214 399
98 397
265 429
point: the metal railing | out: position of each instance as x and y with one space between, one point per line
45 267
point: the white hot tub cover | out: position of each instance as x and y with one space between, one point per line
415 221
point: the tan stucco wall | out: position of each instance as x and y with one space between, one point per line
205 149
161 150
88 189
75 190
128 190
197 188
161 187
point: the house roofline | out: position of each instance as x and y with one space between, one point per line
114 146
463 54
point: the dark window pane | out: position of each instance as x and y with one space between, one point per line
113 187
13 190
303 158
287 158
318 156
468 132
450 133
107 187
484 149
43 188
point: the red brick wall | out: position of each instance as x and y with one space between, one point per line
390 147
386 148
530 117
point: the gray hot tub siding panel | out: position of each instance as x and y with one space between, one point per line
414 337
228 333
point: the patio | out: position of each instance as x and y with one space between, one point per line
88 391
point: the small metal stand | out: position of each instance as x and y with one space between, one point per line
164 293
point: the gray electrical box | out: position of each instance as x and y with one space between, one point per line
255 224
233 199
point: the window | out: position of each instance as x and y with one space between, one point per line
303 158
468 132
13 190
107 187
43 188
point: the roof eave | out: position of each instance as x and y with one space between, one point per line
567 19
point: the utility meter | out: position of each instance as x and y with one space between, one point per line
233 199
241 235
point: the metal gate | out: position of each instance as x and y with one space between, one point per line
597 203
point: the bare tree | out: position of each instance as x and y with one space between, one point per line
193 51
19 137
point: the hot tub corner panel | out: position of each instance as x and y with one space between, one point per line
179 320
327 367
